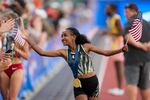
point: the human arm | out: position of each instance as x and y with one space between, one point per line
131 40
134 43
5 61
23 51
94 49
49 53
119 27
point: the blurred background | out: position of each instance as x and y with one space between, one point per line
50 78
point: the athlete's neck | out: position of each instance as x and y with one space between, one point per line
73 48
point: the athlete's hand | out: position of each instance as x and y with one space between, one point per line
125 48
4 55
6 26
5 61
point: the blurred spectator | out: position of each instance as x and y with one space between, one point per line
115 31
38 3
137 59
11 78
54 15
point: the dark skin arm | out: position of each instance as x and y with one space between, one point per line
62 52
119 27
90 47
48 53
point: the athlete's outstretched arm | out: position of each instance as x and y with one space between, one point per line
105 52
49 53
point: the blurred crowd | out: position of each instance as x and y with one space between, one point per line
44 20
47 18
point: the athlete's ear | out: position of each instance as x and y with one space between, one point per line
74 36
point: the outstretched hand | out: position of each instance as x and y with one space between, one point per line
125 48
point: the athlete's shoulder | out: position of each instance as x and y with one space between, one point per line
117 16
87 46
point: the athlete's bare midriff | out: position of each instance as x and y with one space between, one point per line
16 60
